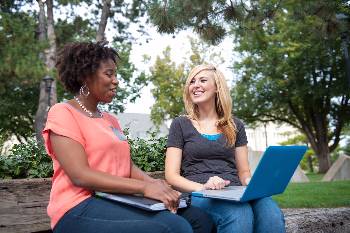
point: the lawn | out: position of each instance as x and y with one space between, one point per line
315 194
314 176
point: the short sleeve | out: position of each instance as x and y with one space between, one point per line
175 138
241 137
61 121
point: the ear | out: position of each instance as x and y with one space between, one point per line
89 80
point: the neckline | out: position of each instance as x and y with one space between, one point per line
216 134
199 133
81 112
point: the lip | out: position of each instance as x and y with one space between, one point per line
197 93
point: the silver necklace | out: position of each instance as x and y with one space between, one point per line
85 109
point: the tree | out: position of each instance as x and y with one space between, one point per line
20 73
22 36
309 156
46 33
132 80
293 72
168 79
212 20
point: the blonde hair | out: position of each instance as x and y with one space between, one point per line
223 102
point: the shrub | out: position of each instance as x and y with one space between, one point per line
26 160
148 154
29 160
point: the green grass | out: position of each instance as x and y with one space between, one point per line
314 176
315 195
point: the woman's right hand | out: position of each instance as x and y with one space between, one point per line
161 190
216 182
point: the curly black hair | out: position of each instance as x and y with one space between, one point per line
77 61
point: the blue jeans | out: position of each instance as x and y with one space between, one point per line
258 216
95 215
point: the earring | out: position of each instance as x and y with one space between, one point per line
84 91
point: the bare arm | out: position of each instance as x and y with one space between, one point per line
241 156
138 174
172 172
71 156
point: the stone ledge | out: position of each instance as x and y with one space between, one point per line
318 220
23 209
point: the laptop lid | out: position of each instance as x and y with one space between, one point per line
138 201
272 176
274 171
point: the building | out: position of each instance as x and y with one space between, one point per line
259 138
139 125
269 134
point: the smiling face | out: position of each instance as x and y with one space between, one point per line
103 84
202 87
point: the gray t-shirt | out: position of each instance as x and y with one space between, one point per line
203 158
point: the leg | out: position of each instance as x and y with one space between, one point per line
200 221
229 217
267 216
103 216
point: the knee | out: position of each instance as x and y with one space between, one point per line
268 217
179 225
268 210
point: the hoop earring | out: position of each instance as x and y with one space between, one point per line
84 91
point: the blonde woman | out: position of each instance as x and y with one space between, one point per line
207 149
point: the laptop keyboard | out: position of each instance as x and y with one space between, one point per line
230 191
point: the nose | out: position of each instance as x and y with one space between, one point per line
115 81
196 83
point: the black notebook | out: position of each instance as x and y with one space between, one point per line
138 201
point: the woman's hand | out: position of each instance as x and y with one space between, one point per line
216 182
161 190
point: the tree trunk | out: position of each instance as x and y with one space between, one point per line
40 116
103 22
48 96
41 113
324 162
309 161
51 52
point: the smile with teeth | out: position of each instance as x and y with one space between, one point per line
198 93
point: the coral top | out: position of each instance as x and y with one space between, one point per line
105 146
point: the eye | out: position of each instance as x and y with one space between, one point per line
203 80
110 74
192 81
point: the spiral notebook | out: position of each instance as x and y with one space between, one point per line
139 201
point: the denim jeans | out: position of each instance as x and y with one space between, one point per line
95 215
258 216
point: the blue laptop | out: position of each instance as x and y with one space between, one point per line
271 176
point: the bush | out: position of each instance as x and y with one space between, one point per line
27 160
148 154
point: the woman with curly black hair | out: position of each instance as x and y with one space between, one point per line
90 153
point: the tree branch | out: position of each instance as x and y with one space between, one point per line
103 22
